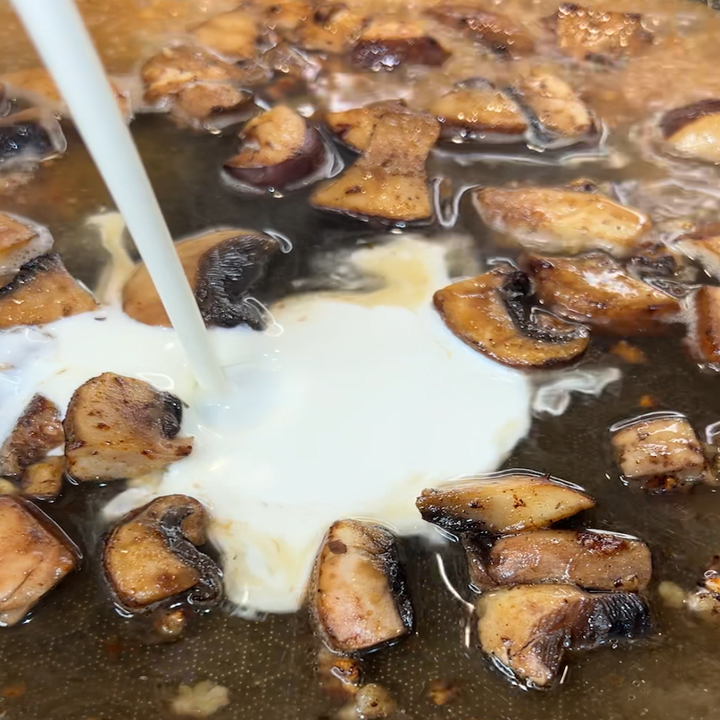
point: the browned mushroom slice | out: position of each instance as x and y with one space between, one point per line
202 101
118 427
332 28
140 298
401 143
284 15
388 181
711 577
705 342
706 598
15 237
42 292
43 480
20 242
35 555
478 111
292 69
657 259
355 127
222 268
490 313
502 504
37 431
151 556
225 275
173 69
233 34
358 596
495 31
559 220
526 629
388 43
693 131
278 149
596 290
374 193
36 84
702 246
661 450
559 117
588 34
591 559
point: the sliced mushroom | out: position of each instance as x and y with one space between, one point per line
705 599
118 427
358 597
703 246
292 69
284 15
36 85
332 28
561 220
490 313
37 431
233 34
173 69
20 242
476 110
376 194
388 181
497 32
278 149
42 292
222 267
528 628
559 117
35 82
595 289
588 34
35 555
355 127
693 131
705 342
591 559
387 43
225 275
200 102
29 137
43 480
660 449
151 556
502 504
657 259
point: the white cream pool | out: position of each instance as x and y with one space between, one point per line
349 405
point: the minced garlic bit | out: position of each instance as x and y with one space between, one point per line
7 488
672 594
629 353
200 701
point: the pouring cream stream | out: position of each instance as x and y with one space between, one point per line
62 41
